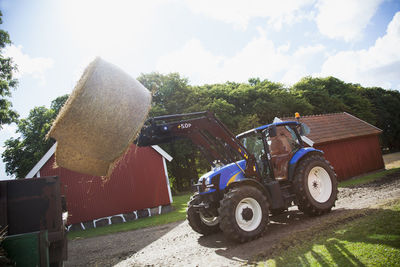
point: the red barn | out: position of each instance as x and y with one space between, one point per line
138 183
349 143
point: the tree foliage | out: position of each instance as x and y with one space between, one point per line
22 153
330 95
171 95
386 109
7 115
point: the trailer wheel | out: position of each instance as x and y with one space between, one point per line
243 213
315 185
201 223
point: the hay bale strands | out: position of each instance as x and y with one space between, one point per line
100 119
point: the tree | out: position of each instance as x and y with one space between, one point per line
330 95
386 105
172 95
58 103
7 115
22 153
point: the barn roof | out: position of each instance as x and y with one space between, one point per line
52 150
337 126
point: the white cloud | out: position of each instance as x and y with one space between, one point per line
294 74
7 131
108 27
239 13
304 52
344 19
379 65
259 58
192 60
27 65
284 48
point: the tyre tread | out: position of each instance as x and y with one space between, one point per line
194 220
303 202
227 213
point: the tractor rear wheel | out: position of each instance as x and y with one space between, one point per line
315 185
243 213
201 223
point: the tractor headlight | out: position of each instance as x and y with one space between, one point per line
206 183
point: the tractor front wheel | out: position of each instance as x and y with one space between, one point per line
243 213
201 223
315 185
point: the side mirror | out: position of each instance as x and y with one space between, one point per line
304 129
272 131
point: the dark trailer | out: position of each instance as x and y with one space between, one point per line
31 209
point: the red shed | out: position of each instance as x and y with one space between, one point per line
349 143
138 182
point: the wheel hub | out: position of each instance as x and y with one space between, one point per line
247 214
319 184
209 220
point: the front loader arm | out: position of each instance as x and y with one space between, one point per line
205 130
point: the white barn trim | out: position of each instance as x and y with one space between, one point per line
35 170
41 162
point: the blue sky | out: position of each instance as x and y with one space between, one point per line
206 41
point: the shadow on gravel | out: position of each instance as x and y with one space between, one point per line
293 227
110 249
279 225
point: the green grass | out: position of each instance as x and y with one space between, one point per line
368 178
178 214
373 240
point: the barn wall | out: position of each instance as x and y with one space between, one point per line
138 182
354 156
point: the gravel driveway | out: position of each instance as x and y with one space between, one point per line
176 244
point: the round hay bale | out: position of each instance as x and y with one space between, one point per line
100 119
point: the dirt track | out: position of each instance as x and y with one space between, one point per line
177 245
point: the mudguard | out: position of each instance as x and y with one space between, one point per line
300 154
263 189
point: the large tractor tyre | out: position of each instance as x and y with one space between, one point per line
201 223
243 213
315 185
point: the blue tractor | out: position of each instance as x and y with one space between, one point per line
258 173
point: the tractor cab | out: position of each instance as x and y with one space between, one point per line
273 146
